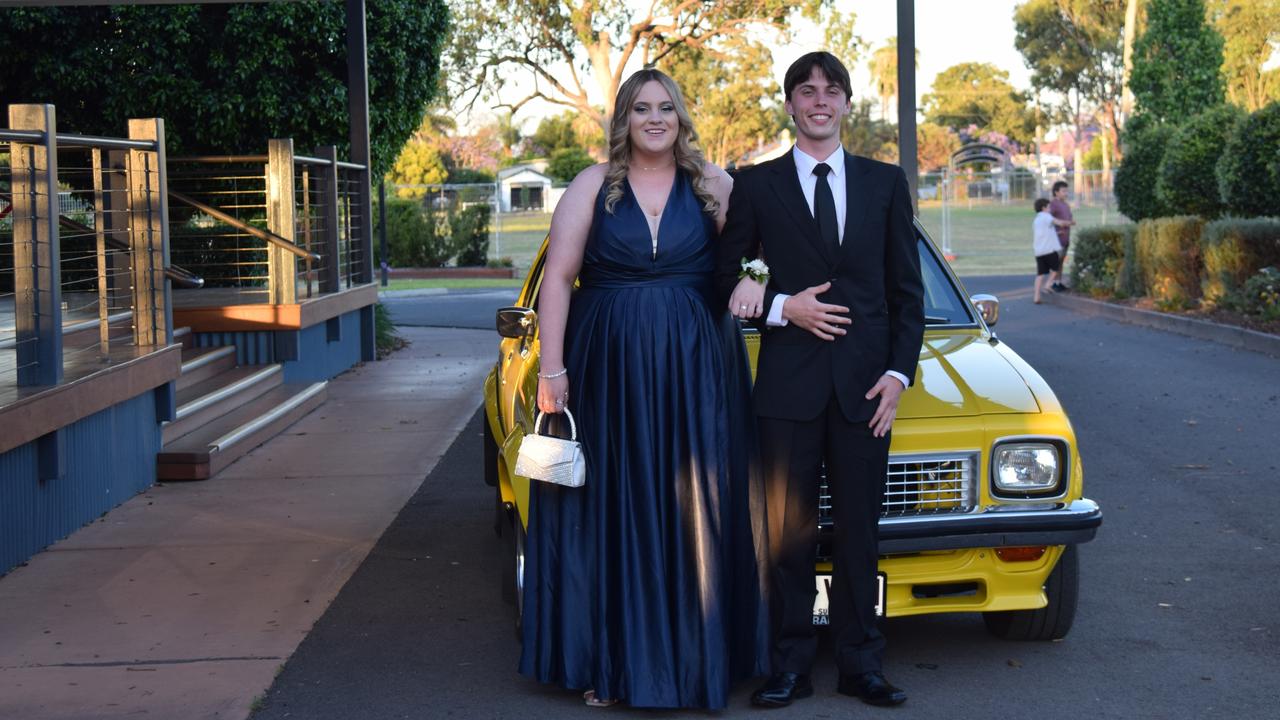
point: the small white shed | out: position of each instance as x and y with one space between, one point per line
524 188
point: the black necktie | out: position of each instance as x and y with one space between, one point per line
824 209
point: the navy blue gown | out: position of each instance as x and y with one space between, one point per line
645 584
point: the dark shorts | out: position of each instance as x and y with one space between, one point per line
1052 262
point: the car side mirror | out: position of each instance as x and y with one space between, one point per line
988 306
516 322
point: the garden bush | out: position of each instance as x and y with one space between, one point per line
1260 295
1234 250
1187 181
1168 253
1128 278
469 236
1135 183
1098 255
1249 168
412 240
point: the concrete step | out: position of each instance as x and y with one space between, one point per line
208 400
200 364
202 453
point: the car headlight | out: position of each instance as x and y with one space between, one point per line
1027 468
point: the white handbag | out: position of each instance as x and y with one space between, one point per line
552 459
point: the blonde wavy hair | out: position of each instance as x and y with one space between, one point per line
688 156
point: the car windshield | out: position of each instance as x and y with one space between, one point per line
943 302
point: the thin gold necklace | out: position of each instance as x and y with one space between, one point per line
651 169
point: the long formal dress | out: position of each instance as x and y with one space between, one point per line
645 584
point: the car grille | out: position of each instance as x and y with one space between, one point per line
919 485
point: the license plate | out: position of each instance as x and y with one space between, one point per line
822 604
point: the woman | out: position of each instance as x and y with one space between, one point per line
643 585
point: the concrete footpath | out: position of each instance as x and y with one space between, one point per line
186 601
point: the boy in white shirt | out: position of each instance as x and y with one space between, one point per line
1046 247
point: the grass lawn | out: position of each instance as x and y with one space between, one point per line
987 239
418 284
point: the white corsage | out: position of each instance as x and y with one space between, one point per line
755 269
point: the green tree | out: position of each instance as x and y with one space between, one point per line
1249 167
726 98
1145 142
1177 62
934 145
1250 31
554 133
226 78
1188 181
1075 49
883 67
979 94
419 163
864 136
563 48
567 162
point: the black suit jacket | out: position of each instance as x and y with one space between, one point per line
876 274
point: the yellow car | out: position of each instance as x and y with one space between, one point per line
984 502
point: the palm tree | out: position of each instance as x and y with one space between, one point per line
884 74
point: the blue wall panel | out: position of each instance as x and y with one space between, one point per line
252 348
320 359
110 457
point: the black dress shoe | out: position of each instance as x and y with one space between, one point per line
871 688
781 689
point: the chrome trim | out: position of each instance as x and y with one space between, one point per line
205 401
1082 508
1064 479
903 497
262 421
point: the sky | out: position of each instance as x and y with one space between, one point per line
947 32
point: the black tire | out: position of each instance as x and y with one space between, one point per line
1051 622
513 535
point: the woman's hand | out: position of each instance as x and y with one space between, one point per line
553 394
747 300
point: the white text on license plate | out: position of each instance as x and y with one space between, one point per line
821 603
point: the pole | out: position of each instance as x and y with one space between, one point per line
907 96
382 230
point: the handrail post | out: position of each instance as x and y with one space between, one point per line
36 264
282 288
115 211
330 281
149 235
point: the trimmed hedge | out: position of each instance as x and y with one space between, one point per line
1098 255
470 236
1249 169
1187 180
412 240
1128 282
1234 250
1168 253
1135 183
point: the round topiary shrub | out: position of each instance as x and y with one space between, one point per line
1249 169
1187 181
1135 185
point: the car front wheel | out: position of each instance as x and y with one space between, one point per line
1051 622
513 573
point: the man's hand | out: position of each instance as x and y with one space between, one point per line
889 389
747 300
806 310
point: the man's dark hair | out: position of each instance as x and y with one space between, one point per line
1058 186
830 66
1042 203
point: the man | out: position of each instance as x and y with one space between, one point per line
842 328
1061 212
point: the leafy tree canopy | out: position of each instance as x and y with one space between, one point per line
725 98
1075 50
226 78
979 94
419 163
934 145
573 53
1177 62
1251 31
567 162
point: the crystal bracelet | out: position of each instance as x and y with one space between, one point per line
554 375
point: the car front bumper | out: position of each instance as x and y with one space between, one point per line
1006 526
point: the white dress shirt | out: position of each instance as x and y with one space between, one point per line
1044 235
805 164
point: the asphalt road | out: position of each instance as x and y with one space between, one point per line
1178 607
